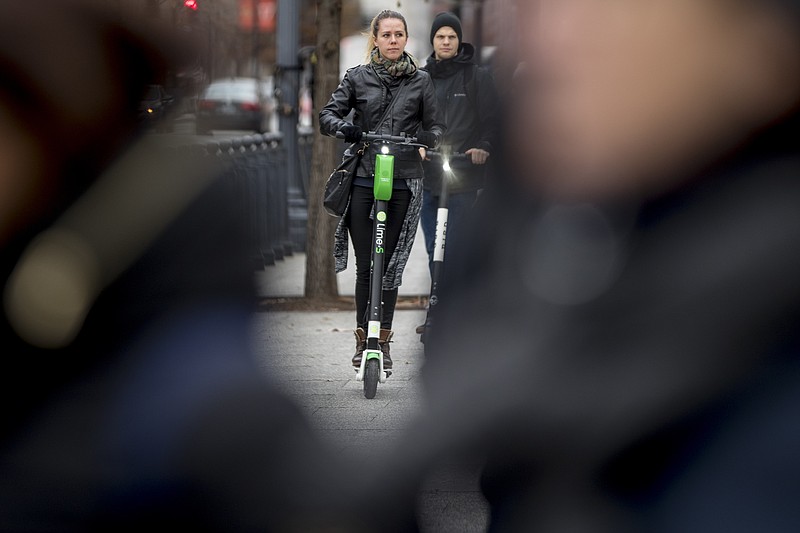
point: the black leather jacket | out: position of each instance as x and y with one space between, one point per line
362 91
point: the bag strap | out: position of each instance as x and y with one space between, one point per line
357 151
386 112
389 107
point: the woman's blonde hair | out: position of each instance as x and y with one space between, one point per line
372 31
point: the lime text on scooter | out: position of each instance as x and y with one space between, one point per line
379 231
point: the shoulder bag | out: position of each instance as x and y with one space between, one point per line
337 188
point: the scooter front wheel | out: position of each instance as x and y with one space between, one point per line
371 377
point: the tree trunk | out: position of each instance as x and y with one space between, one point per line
320 281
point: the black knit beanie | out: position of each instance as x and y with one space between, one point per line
446 19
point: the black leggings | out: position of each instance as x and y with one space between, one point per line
361 227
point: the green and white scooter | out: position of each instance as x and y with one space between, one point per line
371 370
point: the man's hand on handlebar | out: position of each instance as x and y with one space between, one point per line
479 157
351 132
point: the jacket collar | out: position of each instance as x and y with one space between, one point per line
446 67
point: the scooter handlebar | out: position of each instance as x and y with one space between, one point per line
382 137
456 156
396 139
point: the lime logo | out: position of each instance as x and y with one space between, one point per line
380 231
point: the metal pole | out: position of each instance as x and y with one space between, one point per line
479 31
255 37
288 70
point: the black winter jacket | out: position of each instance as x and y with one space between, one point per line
363 91
469 105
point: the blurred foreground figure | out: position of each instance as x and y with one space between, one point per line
621 345
130 396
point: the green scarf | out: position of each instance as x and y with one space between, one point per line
388 69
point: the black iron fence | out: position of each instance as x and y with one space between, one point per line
256 164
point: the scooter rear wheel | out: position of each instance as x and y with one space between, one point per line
371 377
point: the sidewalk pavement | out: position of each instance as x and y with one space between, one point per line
286 278
308 353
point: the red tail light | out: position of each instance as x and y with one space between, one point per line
249 106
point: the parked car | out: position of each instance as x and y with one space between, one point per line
154 106
235 104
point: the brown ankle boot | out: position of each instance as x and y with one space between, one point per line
383 342
361 345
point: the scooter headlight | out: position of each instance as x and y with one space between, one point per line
385 149
446 165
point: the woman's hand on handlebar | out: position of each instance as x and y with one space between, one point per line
351 132
428 138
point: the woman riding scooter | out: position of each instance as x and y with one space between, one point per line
369 89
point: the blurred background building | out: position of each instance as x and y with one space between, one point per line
273 41
238 37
